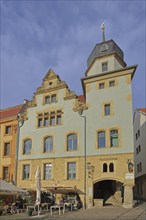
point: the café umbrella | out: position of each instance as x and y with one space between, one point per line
38 188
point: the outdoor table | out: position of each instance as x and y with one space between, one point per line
57 207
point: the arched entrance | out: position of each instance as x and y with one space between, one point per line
111 191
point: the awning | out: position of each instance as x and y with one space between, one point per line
64 190
8 188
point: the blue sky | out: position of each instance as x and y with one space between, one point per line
37 35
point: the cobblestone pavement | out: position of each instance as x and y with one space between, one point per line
105 213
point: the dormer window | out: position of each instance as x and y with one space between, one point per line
104 67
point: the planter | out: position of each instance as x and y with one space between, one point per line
29 212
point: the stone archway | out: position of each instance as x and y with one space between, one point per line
110 191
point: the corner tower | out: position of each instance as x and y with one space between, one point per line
110 148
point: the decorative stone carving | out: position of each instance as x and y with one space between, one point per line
70 95
79 106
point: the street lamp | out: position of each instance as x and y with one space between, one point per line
81 114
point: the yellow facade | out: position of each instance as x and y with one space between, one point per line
8 140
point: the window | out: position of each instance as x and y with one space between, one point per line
58 122
71 171
52 120
71 142
50 99
114 138
107 109
8 129
26 172
111 167
46 122
47 99
48 144
138 149
47 171
101 139
49 118
5 173
27 146
140 167
7 149
101 85
138 133
112 83
40 122
53 98
104 67
104 167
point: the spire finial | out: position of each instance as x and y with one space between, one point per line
103 34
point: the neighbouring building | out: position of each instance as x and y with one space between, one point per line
86 141
8 139
140 152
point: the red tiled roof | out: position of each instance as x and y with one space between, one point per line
142 110
81 98
10 112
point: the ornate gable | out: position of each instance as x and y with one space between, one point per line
50 75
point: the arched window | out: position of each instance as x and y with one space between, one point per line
27 146
72 142
48 144
114 138
111 167
101 139
104 167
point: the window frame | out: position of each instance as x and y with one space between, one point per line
113 138
104 66
49 171
73 141
101 139
9 150
29 146
71 171
8 129
107 109
24 176
50 144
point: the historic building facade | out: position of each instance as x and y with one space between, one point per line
8 139
85 142
140 152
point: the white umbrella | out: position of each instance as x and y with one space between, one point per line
38 188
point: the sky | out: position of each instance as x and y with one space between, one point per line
37 35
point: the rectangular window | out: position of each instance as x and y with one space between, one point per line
47 171
8 129
112 83
71 170
101 139
114 138
53 98
101 85
46 122
58 119
26 172
47 99
52 120
107 109
104 67
7 149
40 122
5 173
